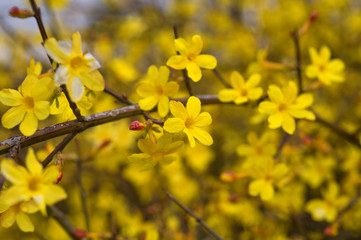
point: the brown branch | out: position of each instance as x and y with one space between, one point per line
59 148
72 104
89 121
198 219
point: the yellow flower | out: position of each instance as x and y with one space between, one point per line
190 120
328 207
190 59
17 212
265 177
32 183
157 90
285 106
29 104
76 69
154 153
242 91
324 69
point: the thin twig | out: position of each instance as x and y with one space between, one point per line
223 81
296 41
72 104
59 148
60 217
283 142
83 194
198 219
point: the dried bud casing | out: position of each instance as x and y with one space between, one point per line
20 13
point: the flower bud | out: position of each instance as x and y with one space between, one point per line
20 13
79 233
136 125
228 177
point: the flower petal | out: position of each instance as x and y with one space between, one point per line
163 106
163 75
56 53
178 110
7 218
12 172
275 94
76 88
275 120
76 44
144 89
253 80
206 61
196 45
288 124
193 106
228 95
148 103
93 80
203 119
10 97
171 88
181 46
203 136
177 62
267 107
194 72
146 146
24 222
54 194
13 116
174 125
32 164
41 109
43 89
29 125
190 137
237 80
61 75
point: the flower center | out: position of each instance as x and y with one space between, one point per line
322 67
244 92
189 122
191 56
35 184
157 156
28 102
159 90
282 107
78 64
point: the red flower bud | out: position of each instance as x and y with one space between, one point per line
20 13
79 233
313 16
228 177
59 178
136 125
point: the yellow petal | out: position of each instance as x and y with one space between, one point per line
56 53
190 137
290 93
237 80
13 116
28 84
163 75
12 172
314 55
178 110
255 93
177 62
202 136
193 106
228 95
288 124
275 94
206 61
24 222
174 147
275 120
145 89
76 44
146 146
43 89
267 192
50 174
171 88
253 80
148 103
7 218
163 106
325 54
174 125
10 97
76 88
255 187
29 207
181 46
32 163
196 45
54 194
93 80
240 100
267 107
193 71
41 109
203 119
29 125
